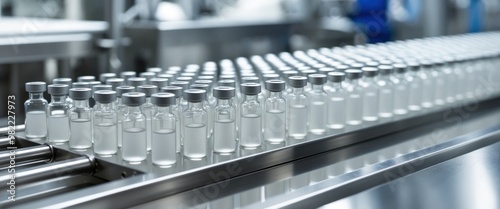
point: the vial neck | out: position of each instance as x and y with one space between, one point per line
148 100
99 105
36 95
58 98
119 101
223 102
81 103
316 87
163 109
385 77
353 81
274 94
298 90
369 79
134 109
195 105
178 101
249 97
336 85
400 75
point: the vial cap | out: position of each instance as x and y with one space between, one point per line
80 93
289 73
385 69
341 68
194 95
36 86
201 86
227 82
250 88
206 82
176 90
115 82
251 79
148 89
370 71
326 70
120 90
80 85
136 81
317 79
307 72
357 65
166 76
275 85
297 81
128 74
163 99
206 77
105 76
223 92
336 77
371 64
86 78
353 74
400 68
66 81
134 99
147 75
185 78
93 83
183 84
413 66
159 82
101 87
155 70
58 89
188 74
270 76
105 96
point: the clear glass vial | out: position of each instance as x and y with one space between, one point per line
386 92
177 111
105 121
134 144
440 87
207 106
121 109
414 87
336 102
36 110
354 99
427 84
224 115
115 82
68 82
297 110
401 89
370 94
80 119
164 130
148 108
318 100
274 118
250 114
195 120
58 114
184 85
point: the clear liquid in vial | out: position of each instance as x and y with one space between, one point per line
336 113
120 133
224 136
58 129
195 143
105 139
81 134
354 111
386 103
427 94
251 127
401 100
36 124
370 106
274 130
415 97
163 143
134 145
317 118
297 128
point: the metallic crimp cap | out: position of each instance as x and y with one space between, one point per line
317 79
120 90
58 89
105 76
170 77
270 76
326 70
148 89
250 88
194 95
163 99
336 77
223 92
105 96
357 66
297 81
93 83
155 70
227 82
353 74
80 85
306 73
101 87
341 68
183 84
136 81
36 86
413 66
128 74
176 90
251 79
185 79
86 78
371 64
206 77
370 71
80 93
206 82
289 73
275 85
227 77
188 74
201 86
426 63
385 69
400 68
147 75
134 99
115 82
159 82
66 81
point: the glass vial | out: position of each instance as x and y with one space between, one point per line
274 118
370 94
439 79
354 100
195 121
121 109
36 110
297 107
164 141
148 108
427 85
80 119
105 123
177 111
250 114
58 111
415 87
134 144
207 106
336 102
224 116
317 104
68 82
386 92
401 91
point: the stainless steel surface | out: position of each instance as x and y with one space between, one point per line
5 142
25 155
5 130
